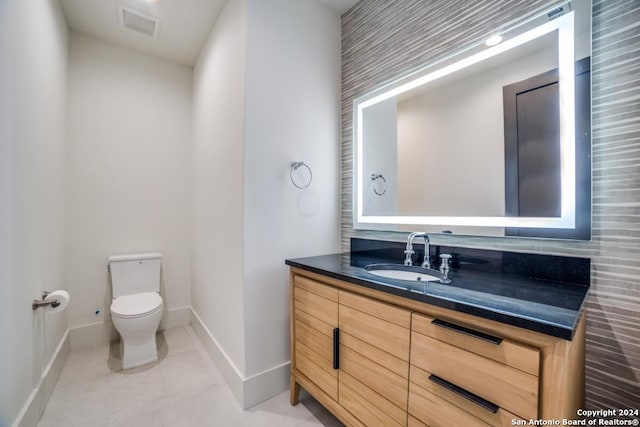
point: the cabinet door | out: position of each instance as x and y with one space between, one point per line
374 360
315 317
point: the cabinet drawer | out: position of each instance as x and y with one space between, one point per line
507 387
513 354
421 385
437 412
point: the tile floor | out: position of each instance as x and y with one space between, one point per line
183 388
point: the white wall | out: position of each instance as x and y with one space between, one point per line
218 122
129 127
266 92
292 114
33 63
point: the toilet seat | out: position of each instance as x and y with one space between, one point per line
136 305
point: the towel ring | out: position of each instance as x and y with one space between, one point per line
374 178
294 167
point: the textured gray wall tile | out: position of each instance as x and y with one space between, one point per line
384 39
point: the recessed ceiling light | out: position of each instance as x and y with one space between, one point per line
493 40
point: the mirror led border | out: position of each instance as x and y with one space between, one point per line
565 27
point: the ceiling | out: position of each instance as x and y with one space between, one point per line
185 25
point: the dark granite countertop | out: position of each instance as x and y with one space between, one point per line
538 304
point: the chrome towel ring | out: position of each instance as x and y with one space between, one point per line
374 178
295 166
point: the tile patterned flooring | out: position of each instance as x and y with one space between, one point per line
183 388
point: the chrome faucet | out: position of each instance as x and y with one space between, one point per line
409 250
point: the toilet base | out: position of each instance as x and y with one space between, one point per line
138 338
134 354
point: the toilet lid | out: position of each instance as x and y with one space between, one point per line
136 304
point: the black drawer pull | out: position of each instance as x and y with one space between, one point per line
336 348
480 335
485 404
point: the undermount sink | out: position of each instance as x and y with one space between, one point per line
410 273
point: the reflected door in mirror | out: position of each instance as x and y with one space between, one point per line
532 152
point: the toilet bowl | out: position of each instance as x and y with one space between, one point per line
136 318
136 309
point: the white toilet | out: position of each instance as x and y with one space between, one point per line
136 309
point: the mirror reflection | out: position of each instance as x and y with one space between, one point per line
482 146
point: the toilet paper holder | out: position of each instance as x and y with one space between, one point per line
36 304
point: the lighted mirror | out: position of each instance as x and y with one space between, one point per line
493 141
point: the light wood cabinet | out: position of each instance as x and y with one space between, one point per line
373 378
314 319
374 358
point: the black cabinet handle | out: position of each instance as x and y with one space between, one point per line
336 348
461 329
483 403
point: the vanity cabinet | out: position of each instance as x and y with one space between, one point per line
374 358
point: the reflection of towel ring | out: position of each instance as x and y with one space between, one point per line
295 166
374 178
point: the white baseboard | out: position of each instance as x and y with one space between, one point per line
102 333
248 391
39 397
266 384
176 317
93 335
225 365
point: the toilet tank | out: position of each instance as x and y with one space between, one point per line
135 273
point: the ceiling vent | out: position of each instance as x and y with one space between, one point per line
138 22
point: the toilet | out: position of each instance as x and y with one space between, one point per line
136 308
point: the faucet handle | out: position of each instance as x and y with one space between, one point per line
408 256
444 263
444 259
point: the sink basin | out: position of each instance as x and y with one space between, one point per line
410 273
